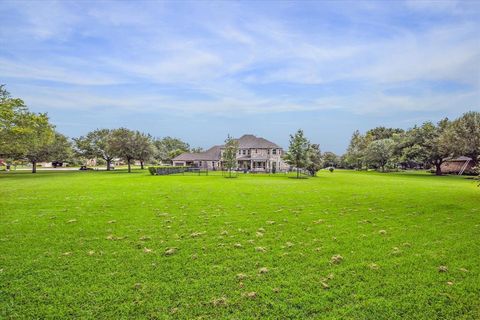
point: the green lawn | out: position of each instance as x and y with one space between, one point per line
117 245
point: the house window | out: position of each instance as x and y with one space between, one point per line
274 151
243 151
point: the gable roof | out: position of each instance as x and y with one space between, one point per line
247 141
211 154
461 158
250 141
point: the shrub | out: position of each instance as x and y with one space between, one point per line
152 170
331 169
163 170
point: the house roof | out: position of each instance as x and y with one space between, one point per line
211 154
250 141
462 158
247 141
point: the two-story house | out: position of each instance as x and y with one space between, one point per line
254 154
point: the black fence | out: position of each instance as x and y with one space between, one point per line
162 171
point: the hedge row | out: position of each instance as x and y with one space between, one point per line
163 170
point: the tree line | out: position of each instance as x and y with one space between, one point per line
29 136
423 146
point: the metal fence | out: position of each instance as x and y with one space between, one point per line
162 171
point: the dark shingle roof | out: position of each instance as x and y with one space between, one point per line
211 154
250 141
247 141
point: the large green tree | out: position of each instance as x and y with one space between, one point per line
298 151
380 133
41 140
97 143
435 144
330 159
355 155
17 124
379 153
229 154
407 150
144 148
125 145
464 136
168 148
315 160
61 149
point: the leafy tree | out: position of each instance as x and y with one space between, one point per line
97 143
379 152
434 143
355 155
407 150
168 148
298 151
464 135
175 153
315 160
413 156
28 135
16 125
229 155
145 148
196 150
41 140
380 133
60 149
330 159
125 145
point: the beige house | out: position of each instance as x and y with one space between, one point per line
254 154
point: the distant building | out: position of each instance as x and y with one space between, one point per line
54 164
254 154
458 165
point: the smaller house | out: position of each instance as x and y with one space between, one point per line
210 159
458 165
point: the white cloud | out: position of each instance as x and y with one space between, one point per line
221 53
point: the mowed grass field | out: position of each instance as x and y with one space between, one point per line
117 245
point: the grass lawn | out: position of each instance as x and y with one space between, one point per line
117 245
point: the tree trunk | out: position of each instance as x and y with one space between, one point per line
298 173
129 168
34 166
438 168
109 163
141 165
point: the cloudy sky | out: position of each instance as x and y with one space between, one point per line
200 70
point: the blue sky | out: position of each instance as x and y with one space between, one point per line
201 70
